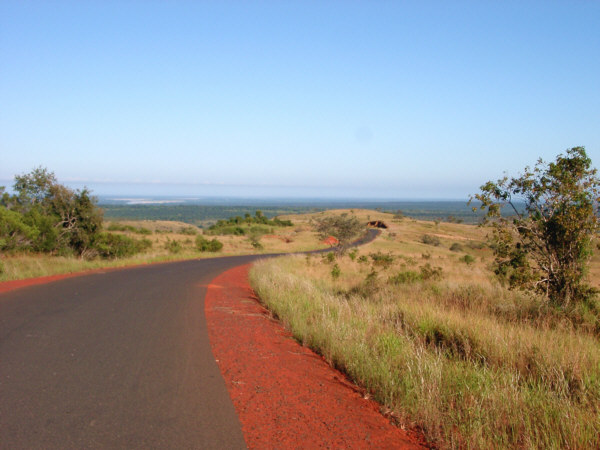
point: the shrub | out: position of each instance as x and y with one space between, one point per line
456 247
204 245
467 259
110 245
191 231
362 259
173 246
329 257
431 273
382 259
254 239
476 245
15 234
407 276
335 271
353 254
430 240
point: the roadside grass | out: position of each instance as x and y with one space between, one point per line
170 241
472 363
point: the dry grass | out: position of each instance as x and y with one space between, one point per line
284 240
474 364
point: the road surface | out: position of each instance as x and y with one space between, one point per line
117 359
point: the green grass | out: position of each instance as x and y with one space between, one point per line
474 365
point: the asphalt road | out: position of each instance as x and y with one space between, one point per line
119 359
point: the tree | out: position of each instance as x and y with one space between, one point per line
343 227
545 244
34 188
64 218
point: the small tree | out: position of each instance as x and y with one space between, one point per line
34 188
546 243
343 227
65 218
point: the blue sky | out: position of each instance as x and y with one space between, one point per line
386 99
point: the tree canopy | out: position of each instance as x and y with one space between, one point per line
46 216
344 228
545 243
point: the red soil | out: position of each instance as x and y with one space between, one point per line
6 286
285 395
331 241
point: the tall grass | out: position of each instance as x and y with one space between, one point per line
475 365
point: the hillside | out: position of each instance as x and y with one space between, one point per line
419 319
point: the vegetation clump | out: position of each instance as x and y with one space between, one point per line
46 217
343 227
456 247
204 245
545 244
430 240
382 259
111 246
248 224
173 246
114 226
467 259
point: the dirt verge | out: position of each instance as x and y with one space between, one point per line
285 395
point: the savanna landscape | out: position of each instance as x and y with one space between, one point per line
437 320
290 225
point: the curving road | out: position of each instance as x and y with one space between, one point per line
119 359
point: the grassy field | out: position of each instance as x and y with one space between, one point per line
430 333
170 241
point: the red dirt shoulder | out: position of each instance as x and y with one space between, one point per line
287 396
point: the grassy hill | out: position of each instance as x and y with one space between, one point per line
418 318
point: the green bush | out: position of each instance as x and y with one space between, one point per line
329 257
362 259
353 254
335 271
110 245
382 259
173 246
116 227
204 245
430 240
233 225
467 259
48 238
191 231
431 273
407 276
15 233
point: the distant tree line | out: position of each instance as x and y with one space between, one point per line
194 214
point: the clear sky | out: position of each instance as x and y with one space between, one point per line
395 99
